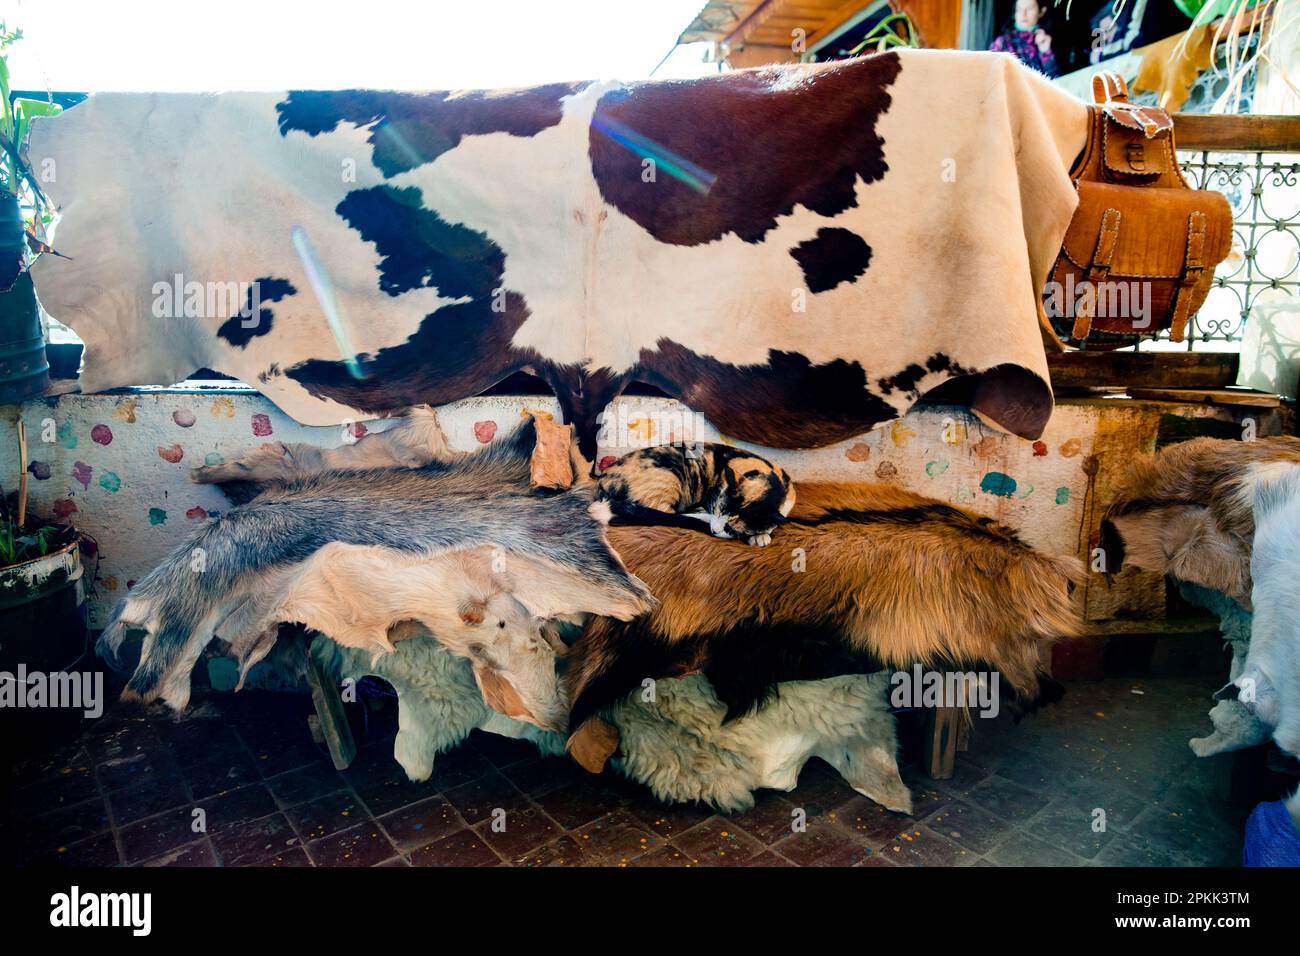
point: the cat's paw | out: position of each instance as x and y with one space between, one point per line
759 540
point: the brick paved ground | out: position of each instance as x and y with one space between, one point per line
1023 795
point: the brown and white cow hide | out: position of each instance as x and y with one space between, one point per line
797 252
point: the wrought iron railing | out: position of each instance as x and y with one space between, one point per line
1264 192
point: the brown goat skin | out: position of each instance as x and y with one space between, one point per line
896 575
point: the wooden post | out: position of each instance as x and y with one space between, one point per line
329 708
939 745
22 476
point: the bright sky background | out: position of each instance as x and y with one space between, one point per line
214 45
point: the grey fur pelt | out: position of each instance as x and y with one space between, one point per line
676 744
221 580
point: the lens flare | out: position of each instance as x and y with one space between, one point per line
324 289
679 167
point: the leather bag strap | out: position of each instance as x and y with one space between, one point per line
1193 270
1098 270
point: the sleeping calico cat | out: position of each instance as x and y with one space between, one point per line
739 494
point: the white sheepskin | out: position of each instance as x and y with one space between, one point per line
1263 698
675 744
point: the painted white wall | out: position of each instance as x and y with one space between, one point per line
117 465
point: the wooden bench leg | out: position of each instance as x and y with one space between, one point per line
329 710
939 745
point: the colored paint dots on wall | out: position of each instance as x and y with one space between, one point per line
157 516
261 425
606 462
997 483
63 508
1025 490
125 411
858 452
214 458
357 430
184 417
484 432
1071 447
109 582
82 472
886 471
987 446
171 453
40 470
101 435
66 434
1040 449
196 513
223 407
1062 495
110 482
900 434
936 468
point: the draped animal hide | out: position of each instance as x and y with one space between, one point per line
677 744
466 549
1201 511
1187 510
863 576
1268 687
797 252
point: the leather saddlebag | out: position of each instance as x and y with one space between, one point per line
1140 252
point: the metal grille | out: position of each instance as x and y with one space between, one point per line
1262 189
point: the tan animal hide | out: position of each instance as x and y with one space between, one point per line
892 574
1186 510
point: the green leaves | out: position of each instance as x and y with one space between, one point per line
16 548
894 30
15 123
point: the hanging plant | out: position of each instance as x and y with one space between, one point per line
895 30
1259 23
21 196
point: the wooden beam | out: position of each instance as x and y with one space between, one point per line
1143 369
939 742
1208 396
329 708
1251 134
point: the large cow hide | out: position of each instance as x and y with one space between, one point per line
797 252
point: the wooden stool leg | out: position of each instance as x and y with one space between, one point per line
939 745
333 719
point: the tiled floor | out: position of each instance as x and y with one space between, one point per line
1104 778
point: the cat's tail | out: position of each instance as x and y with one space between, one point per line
629 514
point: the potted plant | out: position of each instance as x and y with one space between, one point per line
43 625
24 216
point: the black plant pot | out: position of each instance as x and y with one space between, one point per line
43 632
24 371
